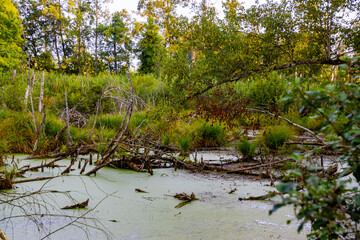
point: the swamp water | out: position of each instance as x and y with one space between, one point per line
126 214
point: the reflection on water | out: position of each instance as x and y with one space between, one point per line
127 214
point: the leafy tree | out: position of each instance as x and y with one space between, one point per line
164 14
266 37
10 35
115 41
151 49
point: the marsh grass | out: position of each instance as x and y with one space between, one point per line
209 135
136 119
274 137
166 139
183 143
17 128
246 148
109 121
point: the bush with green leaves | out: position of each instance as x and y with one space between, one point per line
330 203
267 90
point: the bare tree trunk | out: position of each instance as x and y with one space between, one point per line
30 82
42 85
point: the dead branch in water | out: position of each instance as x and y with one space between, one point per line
32 179
262 197
78 205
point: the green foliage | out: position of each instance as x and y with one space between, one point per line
11 97
246 148
18 131
151 49
275 137
331 203
150 89
183 143
267 90
136 119
209 135
109 121
52 127
166 139
4 148
10 35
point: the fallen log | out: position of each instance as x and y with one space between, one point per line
262 197
78 205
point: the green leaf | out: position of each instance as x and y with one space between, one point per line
286 187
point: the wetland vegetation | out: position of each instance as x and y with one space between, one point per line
266 94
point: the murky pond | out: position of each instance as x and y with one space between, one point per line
126 214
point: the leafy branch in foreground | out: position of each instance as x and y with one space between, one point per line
331 205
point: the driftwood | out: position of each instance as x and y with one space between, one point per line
81 149
185 199
262 197
3 236
115 142
58 135
140 190
84 166
78 205
32 179
232 191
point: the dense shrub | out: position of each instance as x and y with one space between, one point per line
267 90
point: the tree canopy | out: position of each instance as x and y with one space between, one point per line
263 38
10 35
